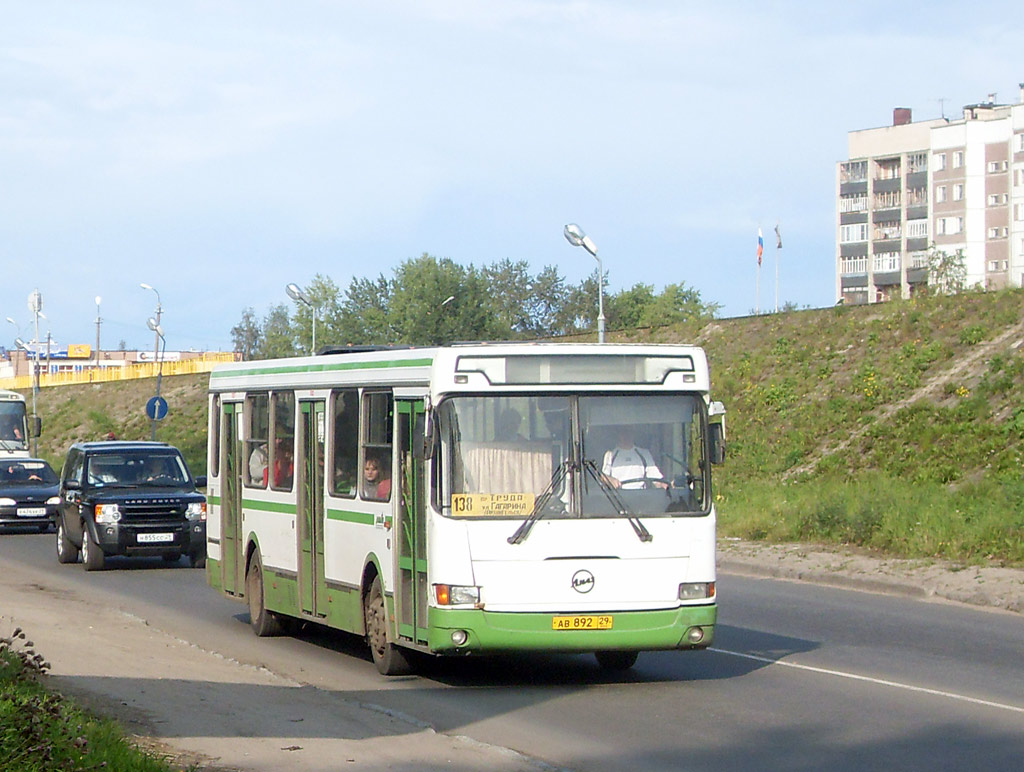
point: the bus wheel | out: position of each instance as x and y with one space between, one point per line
616 660
66 551
264 623
389 659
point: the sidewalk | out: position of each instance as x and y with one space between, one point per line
1000 588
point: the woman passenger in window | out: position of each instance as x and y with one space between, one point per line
376 479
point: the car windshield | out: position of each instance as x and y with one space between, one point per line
153 469
573 456
31 472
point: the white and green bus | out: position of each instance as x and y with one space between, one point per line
470 499
15 427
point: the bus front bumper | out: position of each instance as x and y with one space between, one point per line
687 627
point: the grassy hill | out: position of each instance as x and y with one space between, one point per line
897 427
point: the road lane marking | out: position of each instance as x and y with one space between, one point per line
870 680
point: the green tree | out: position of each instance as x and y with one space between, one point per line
365 313
247 335
324 294
278 338
677 303
947 273
626 309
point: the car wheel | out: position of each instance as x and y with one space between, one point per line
616 660
92 556
66 551
264 623
197 560
389 659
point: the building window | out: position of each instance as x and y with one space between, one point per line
1019 142
997 232
996 199
948 226
917 162
853 233
855 203
940 194
918 259
1018 176
887 261
917 229
850 265
958 159
958 192
887 169
887 230
939 162
1018 212
994 167
853 171
998 265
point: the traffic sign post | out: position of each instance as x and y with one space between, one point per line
156 408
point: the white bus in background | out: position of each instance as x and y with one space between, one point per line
14 425
470 499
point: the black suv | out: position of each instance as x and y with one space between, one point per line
129 498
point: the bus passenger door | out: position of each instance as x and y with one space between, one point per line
410 531
231 500
312 586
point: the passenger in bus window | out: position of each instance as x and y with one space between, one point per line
258 465
507 428
376 479
9 429
284 464
628 467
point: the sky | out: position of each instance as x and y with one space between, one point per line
219 150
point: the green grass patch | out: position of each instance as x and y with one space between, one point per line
973 523
43 732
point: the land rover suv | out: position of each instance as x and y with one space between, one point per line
129 498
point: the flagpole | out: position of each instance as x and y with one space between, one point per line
778 250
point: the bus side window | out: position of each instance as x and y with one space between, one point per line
282 457
345 443
256 439
378 420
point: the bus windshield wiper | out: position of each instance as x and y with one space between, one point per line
538 506
616 501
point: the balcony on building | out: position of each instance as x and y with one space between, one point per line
853 177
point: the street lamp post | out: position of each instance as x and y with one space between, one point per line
574 235
98 320
155 327
159 311
296 294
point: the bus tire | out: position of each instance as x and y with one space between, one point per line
264 623
66 551
92 556
616 660
389 659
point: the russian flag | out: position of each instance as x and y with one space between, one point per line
760 246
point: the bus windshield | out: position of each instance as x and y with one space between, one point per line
13 428
573 456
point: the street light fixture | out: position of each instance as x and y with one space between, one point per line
153 325
159 311
574 235
296 294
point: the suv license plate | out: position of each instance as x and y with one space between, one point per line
582 622
31 511
150 538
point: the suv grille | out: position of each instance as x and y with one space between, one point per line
163 508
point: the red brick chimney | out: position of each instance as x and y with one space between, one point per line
900 116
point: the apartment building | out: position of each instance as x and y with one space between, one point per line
954 183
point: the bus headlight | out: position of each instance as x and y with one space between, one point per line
196 510
107 513
456 595
696 590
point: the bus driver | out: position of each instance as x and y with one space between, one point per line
628 467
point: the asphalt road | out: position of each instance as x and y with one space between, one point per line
801 677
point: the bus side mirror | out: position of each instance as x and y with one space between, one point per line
426 448
716 414
717 443
35 426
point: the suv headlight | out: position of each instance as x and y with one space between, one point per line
6 502
53 500
196 510
107 513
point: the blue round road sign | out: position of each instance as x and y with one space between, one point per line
156 408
